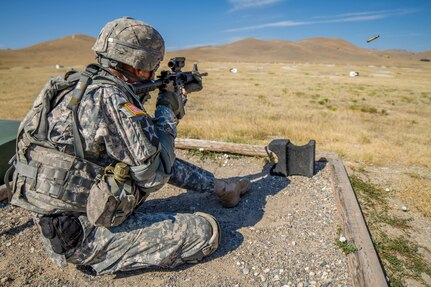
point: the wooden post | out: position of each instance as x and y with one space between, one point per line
244 149
364 264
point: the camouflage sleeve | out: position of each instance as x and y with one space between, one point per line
165 121
131 134
166 130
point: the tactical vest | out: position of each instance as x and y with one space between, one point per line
47 180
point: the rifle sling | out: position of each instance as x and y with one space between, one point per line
77 94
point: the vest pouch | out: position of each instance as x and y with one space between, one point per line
47 181
110 201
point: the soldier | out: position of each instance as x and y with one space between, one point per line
88 155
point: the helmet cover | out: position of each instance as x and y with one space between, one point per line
132 42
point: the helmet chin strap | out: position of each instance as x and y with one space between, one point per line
109 63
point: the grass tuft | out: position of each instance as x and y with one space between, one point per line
346 247
323 101
370 193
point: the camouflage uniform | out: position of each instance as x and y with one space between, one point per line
191 177
114 128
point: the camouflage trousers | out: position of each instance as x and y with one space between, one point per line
146 240
149 240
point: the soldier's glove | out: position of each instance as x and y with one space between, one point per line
63 231
172 101
195 85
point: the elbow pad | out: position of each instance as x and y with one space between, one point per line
167 150
166 130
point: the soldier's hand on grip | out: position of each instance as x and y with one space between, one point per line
172 101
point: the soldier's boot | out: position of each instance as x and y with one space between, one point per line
230 192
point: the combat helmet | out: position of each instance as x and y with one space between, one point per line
130 41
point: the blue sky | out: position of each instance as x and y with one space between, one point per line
401 24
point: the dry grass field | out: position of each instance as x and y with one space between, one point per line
382 117
379 123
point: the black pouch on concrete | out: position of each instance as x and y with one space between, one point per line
63 231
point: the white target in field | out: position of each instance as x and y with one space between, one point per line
353 74
233 70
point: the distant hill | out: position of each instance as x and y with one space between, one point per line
425 55
66 51
76 50
313 50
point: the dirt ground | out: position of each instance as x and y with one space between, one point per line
282 233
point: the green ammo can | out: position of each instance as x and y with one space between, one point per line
9 130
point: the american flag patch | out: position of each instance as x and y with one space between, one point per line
134 109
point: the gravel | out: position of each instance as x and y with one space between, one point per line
282 233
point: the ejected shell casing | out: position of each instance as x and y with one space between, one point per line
373 38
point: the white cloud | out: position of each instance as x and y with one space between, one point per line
347 17
268 25
245 4
352 19
392 12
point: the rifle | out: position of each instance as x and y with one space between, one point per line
176 76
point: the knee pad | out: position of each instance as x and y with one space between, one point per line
212 244
214 241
